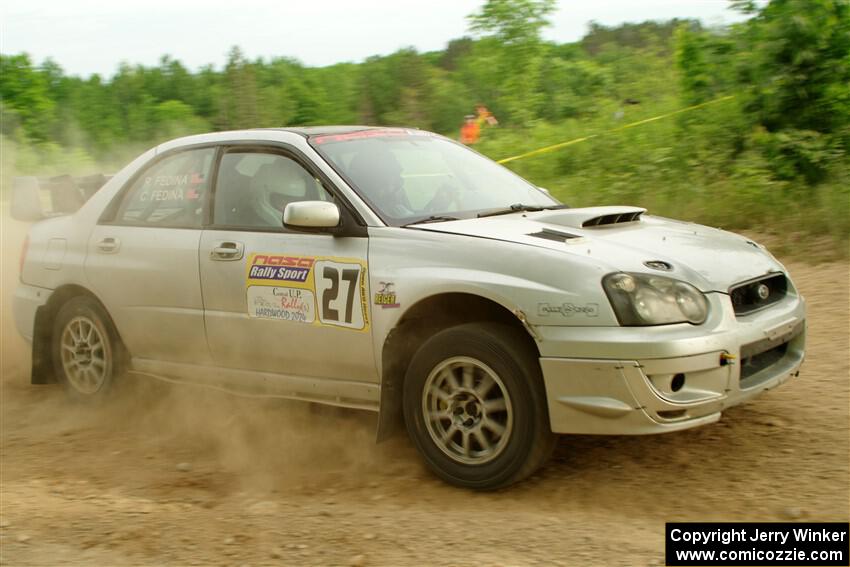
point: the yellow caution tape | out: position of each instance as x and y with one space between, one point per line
554 147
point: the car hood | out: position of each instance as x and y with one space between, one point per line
625 239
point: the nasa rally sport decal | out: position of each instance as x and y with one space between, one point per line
317 290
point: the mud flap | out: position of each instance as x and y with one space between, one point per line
42 363
390 418
395 358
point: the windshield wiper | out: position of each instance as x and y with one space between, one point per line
432 218
519 207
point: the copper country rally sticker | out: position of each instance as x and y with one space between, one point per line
316 290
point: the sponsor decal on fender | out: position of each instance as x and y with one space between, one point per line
385 296
568 309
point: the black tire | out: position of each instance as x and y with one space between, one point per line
475 455
87 353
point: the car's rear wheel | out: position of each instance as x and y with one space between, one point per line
475 407
85 349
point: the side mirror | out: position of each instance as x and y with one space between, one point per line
311 215
26 200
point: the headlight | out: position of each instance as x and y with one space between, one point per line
645 299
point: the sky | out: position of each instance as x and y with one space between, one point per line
95 36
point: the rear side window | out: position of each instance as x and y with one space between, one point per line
254 187
170 193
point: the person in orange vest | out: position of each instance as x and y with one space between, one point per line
470 131
485 116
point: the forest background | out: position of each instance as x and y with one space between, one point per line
768 154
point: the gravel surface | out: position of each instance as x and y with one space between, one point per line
180 475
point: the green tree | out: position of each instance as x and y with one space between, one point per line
515 23
176 118
239 107
24 93
796 77
517 26
694 69
798 63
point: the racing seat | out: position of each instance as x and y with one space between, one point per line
230 202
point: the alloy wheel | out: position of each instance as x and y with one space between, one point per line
84 355
467 410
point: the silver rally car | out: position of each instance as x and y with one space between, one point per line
396 271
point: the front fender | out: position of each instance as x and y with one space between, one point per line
549 287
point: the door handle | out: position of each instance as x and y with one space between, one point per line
227 251
109 245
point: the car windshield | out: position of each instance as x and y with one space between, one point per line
410 176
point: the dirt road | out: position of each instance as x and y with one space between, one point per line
185 476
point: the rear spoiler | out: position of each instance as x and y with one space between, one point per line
36 198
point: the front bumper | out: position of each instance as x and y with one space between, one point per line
640 380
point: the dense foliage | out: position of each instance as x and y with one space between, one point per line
774 157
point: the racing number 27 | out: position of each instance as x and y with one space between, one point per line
332 292
334 277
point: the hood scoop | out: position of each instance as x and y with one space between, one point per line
614 218
590 217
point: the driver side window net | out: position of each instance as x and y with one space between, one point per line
170 193
253 189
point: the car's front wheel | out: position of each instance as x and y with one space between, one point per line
475 407
85 349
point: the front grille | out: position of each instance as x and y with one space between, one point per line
757 294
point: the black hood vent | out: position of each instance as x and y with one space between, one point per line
556 235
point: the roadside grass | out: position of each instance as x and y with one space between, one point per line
672 168
679 167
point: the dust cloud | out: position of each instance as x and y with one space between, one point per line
261 445
172 474
14 351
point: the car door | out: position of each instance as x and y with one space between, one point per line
276 300
142 258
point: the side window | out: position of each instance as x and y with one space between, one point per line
170 193
254 187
